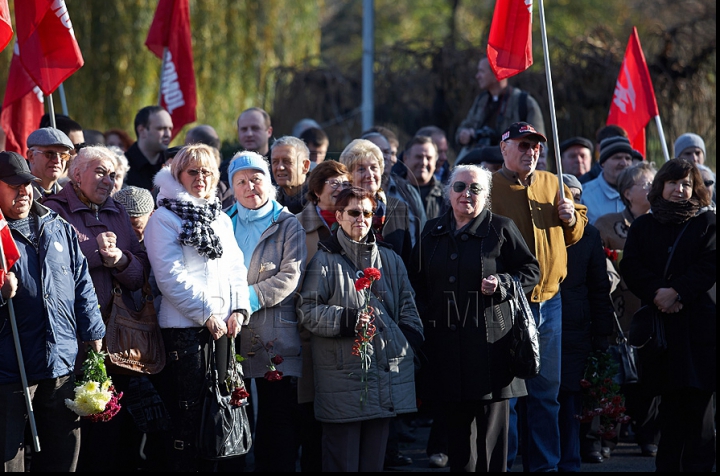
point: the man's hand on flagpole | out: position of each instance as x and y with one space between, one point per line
9 287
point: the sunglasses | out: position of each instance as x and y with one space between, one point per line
334 184
79 146
195 172
524 146
460 187
357 213
709 183
51 154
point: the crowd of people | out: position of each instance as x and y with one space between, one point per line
367 292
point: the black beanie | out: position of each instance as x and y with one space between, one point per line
614 145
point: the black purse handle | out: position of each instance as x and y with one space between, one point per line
672 250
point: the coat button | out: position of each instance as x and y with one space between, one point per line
453 256
453 327
464 237
451 279
47 296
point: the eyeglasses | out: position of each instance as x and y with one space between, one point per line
709 183
51 154
195 172
524 146
79 146
357 213
335 184
645 186
460 187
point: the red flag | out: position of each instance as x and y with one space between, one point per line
633 103
169 35
49 51
6 31
22 108
509 47
9 248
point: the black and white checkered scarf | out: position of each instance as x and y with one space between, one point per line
196 229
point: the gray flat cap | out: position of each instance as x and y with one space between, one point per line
137 201
48 136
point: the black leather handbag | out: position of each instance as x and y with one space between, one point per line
647 329
524 346
224 427
626 357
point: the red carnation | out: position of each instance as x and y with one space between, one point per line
277 359
238 395
273 375
372 273
362 283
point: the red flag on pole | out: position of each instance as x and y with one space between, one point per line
9 248
169 39
633 103
49 51
22 108
6 31
509 47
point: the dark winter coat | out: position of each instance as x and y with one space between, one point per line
587 309
691 358
466 349
55 303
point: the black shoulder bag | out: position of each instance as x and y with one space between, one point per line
647 330
626 357
224 427
524 346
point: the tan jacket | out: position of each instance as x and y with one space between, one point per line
534 211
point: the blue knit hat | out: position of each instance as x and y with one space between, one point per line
247 160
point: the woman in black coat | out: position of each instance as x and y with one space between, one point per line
685 374
466 260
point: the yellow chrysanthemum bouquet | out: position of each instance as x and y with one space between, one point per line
95 395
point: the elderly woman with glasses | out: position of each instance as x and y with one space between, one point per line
356 394
391 219
114 255
201 274
467 260
273 245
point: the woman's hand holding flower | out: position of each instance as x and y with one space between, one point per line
234 324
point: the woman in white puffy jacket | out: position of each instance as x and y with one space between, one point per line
200 271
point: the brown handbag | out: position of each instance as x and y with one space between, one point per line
133 339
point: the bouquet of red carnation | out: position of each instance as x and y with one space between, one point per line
234 382
601 395
95 396
363 343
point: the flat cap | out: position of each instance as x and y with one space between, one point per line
137 201
49 136
582 141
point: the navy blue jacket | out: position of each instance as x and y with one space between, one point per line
55 303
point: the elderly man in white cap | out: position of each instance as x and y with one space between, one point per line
690 147
49 151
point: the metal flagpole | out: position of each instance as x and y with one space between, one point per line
551 97
662 138
21 363
162 72
63 101
51 112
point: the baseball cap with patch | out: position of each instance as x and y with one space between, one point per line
519 130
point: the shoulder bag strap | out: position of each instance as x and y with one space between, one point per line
674 246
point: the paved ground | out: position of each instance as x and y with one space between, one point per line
625 458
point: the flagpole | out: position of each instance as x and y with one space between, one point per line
162 71
21 362
551 97
662 138
63 101
51 111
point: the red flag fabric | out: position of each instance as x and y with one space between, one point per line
49 51
9 248
169 36
509 47
23 106
6 31
633 103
